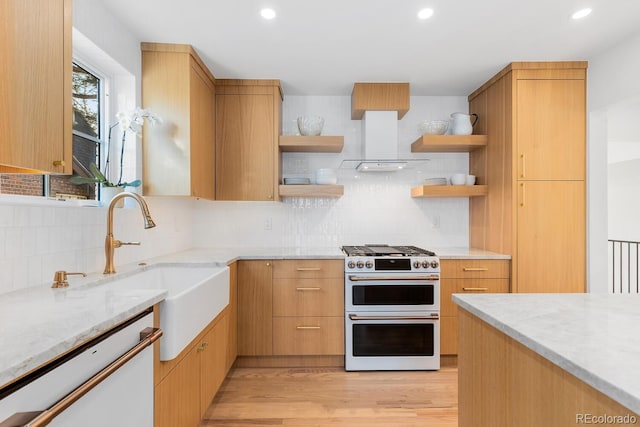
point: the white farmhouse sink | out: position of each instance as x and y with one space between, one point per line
196 296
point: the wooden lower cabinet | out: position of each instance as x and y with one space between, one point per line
177 401
186 385
502 383
290 308
466 276
255 308
294 336
183 395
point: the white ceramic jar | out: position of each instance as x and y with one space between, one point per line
458 179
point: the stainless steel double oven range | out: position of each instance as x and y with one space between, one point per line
392 308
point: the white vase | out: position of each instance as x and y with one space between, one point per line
108 193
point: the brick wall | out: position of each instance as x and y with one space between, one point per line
28 185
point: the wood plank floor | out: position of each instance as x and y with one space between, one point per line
308 397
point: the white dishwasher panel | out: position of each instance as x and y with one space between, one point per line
124 399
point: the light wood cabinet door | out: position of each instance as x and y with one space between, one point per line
245 147
35 83
213 361
449 335
177 397
255 308
179 153
550 128
551 245
202 94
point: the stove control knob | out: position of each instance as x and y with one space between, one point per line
368 264
434 264
360 264
425 264
416 264
351 264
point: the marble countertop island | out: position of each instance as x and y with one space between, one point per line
594 337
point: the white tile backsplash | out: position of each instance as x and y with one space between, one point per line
375 208
35 241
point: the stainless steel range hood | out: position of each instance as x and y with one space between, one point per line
380 142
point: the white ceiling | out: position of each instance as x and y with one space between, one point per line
321 47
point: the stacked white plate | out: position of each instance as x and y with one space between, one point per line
297 181
435 181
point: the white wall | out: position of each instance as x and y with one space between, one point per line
613 78
375 208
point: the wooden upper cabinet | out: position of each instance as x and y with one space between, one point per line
247 132
35 83
534 116
550 129
179 153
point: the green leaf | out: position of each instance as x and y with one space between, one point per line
96 172
78 180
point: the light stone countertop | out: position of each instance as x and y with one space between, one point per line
592 336
38 324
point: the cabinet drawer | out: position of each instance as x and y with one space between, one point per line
474 268
308 335
308 268
308 297
467 286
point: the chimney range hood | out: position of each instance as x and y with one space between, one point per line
380 142
379 106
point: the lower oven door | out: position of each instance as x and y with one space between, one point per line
392 341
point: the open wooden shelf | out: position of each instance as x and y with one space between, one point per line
311 144
448 143
311 190
449 191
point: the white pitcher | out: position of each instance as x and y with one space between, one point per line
461 123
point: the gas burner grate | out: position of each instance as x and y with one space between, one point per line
385 250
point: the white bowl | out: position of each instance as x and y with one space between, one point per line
458 179
433 127
310 125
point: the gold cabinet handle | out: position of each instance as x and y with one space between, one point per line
205 344
475 269
475 289
308 269
200 349
268 264
307 289
522 171
59 163
307 327
522 194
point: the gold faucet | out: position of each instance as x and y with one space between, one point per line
110 244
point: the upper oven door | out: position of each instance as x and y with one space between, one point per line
392 292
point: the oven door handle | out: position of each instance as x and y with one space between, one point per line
432 316
378 278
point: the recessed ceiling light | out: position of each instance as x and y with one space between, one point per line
268 13
581 13
425 13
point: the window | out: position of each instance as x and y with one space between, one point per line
88 113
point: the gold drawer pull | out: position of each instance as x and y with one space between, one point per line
307 289
475 269
308 269
59 163
307 327
475 289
